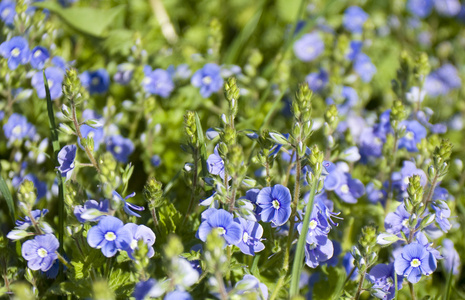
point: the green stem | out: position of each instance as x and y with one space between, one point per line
299 255
360 286
412 291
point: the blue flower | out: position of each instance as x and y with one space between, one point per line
364 67
448 8
415 261
39 56
375 195
340 181
250 284
414 133
16 50
157 82
120 147
348 264
40 252
140 232
382 278
215 163
109 235
442 211
178 295
180 72
96 82
309 47
441 81
26 222
148 288
318 229
451 257
40 186
7 12
354 18
80 210
222 221
208 79
54 77
355 49
314 254
128 206
124 74
420 8
317 81
17 128
397 221
251 236
275 204
97 134
66 158
155 160
401 180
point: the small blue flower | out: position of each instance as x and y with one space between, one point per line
155 160
128 206
124 74
397 221
16 50
18 128
7 12
382 278
415 261
109 235
178 295
180 72
415 132
442 211
157 82
448 8
309 47
364 67
317 81
40 252
120 147
222 221
318 229
66 158
208 79
314 254
401 180
250 284
275 204
39 56
97 134
102 206
251 236
442 80
420 8
140 232
26 222
451 257
54 77
375 195
355 49
96 82
215 163
148 288
354 18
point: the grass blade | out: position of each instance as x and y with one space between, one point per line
202 147
7 195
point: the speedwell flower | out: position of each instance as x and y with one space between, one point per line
415 261
66 158
208 79
16 50
109 235
40 252
275 204
140 232
128 206
251 236
223 222
54 77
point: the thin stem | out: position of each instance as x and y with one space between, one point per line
360 286
223 293
194 182
79 134
278 288
428 197
167 28
63 260
348 276
395 286
391 170
299 255
412 291
289 169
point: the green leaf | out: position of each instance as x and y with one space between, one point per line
203 148
92 21
7 195
331 285
169 219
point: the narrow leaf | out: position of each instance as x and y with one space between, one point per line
7 195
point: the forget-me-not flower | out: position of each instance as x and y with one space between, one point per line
109 235
222 221
275 204
415 261
40 252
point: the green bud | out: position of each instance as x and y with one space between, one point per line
101 290
153 193
331 116
397 111
228 135
72 88
174 247
231 92
368 238
27 193
190 127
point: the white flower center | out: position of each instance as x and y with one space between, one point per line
409 135
5 13
110 236
50 83
95 81
310 50
245 237
344 188
118 149
37 53
221 231
276 204
406 180
405 223
133 244
378 141
17 130
207 80
15 52
415 263
313 224
147 80
42 252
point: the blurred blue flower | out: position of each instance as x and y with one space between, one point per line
348 264
16 50
250 284
96 82
420 8
124 73
442 80
309 47
364 67
414 133
314 254
109 235
80 210
251 236
375 195
178 295
54 77
448 8
222 221
415 261
66 158
451 257
127 206
442 211
215 163
155 160
275 204
355 48
26 222
18 128
120 147
97 134
182 71
397 221
148 288
7 12
208 79
140 232
401 180
317 81
354 18
39 56
157 82
382 278
40 252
